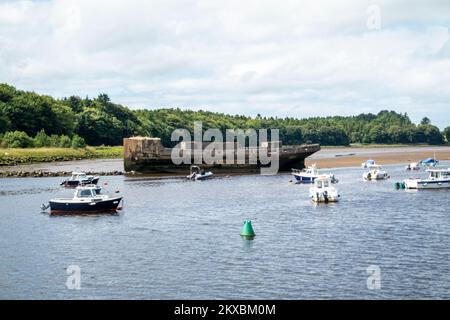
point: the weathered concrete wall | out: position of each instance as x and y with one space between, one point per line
142 147
148 155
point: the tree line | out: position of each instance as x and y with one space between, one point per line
29 119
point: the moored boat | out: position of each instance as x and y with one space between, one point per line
375 174
413 166
197 173
430 162
86 200
323 191
79 179
369 164
310 174
437 179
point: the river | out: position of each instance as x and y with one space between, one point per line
176 239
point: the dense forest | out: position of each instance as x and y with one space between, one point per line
28 119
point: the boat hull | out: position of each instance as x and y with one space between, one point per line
304 179
150 157
423 184
71 207
324 196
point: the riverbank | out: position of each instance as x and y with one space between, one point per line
328 157
353 156
11 157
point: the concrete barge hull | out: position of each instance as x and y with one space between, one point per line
148 156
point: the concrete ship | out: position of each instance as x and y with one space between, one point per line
148 156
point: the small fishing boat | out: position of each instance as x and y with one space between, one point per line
413 166
86 200
437 179
375 174
197 173
309 174
369 164
323 191
79 179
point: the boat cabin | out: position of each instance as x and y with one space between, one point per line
89 191
78 176
322 182
439 173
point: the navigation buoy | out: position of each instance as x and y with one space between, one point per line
247 230
399 185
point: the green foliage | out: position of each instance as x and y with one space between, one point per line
41 139
53 141
5 123
431 134
99 127
99 121
78 142
65 142
17 139
425 121
447 134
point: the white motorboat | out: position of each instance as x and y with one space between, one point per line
369 164
437 179
323 191
199 174
375 174
413 166
309 174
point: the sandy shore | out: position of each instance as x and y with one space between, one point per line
354 156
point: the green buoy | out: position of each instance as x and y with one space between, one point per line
247 230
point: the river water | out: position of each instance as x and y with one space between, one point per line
180 240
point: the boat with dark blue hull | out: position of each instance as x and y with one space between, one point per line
79 179
86 200
309 174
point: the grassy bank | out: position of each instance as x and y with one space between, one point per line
29 155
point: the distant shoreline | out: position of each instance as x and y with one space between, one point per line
328 157
336 157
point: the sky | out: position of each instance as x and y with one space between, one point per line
274 58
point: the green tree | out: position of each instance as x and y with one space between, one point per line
432 134
65 142
65 119
446 134
5 124
425 121
7 92
53 140
41 139
97 128
78 142
17 139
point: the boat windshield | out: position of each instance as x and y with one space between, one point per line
86 193
322 184
78 176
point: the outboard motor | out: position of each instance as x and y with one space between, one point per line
325 196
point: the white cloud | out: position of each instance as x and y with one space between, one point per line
277 58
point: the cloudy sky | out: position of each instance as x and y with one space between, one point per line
276 58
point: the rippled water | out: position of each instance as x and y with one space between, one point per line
177 239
